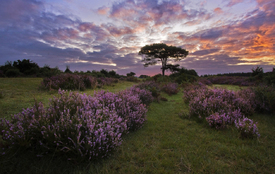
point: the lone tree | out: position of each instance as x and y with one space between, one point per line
161 52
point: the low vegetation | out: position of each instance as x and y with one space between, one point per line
156 126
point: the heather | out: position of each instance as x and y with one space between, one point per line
151 86
75 125
80 82
230 80
69 82
170 88
220 107
169 142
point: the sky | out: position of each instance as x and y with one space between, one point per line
221 36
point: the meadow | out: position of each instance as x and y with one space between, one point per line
169 141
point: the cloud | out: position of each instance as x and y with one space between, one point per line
218 10
103 10
57 38
205 52
230 3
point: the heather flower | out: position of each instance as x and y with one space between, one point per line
247 128
76 124
170 88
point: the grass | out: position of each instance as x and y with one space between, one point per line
18 93
169 142
229 87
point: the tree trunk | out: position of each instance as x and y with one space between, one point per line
163 70
163 62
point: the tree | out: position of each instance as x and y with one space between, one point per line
130 74
68 69
257 71
161 52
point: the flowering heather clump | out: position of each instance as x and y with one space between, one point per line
102 81
220 107
144 95
218 120
205 81
204 102
170 88
247 128
76 125
69 82
89 81
151 86
127 105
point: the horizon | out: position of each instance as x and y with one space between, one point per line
222 36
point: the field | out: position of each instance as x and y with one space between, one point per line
169 142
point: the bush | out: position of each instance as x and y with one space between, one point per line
79 126
102 81
264 99
151 86
231 80
144 95
131 79
247 128
12 73
219 107
185 78
127 105
69 82
170 88
219 120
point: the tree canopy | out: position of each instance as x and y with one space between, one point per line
161 52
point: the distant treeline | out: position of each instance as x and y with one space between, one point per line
256 77
28 68
239 74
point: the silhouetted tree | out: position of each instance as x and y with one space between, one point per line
68 69
105 72
161 52
26 66
130 74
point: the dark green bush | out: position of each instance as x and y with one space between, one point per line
185 78
13 73
265 99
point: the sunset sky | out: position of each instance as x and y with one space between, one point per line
221 35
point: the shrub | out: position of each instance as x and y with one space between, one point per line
145 96
12 73
247 128
69 82
151 86
170 88
79 126
231 80
106 81
219 121
220 107
89 81
131 79
127 106
264 99
185 78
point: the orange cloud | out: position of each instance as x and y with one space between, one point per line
218 10
103 10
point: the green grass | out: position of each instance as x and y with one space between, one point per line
168 143
230 87
18 93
